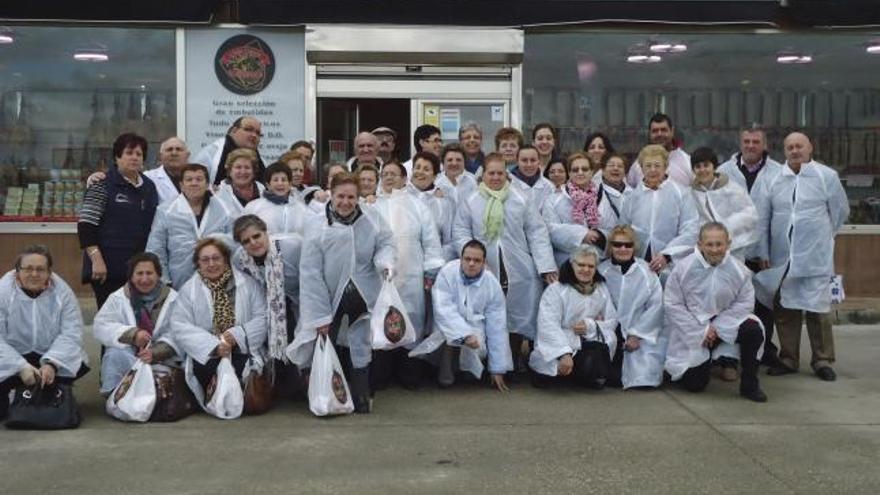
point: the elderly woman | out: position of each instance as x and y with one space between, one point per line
455 181
135 323
470 137
575 310
278 207
611 184
518 245
598 148
298 164
557 173
544 140
116 216
721 200
426 168
638 298
662 213
179 224
40 326
219 313
368 182
274 264
526 176
508 141
343 287
572 216
241 185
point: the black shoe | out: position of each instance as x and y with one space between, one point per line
770 360
825 373
780 370
755 394
362 405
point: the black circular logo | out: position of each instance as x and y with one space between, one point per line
244 64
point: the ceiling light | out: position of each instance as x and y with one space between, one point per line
640 58
92 54
794 58
6 38
873 48
668 47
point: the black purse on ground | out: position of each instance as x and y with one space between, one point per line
594 358
44 408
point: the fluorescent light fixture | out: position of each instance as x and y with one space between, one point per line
873 48
668 47
91 56
794 58
6 38
643 59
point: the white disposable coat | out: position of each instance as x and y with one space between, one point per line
462 310
565 234
561 308
191 321
175 233
538 193
524 245
442 211
209 156
465 185
610 205
698 295
286 218
164 183
665 219
418 249
766 173
50 325
332 255
678 169
233 205
727 202
638 298
799 215
116 317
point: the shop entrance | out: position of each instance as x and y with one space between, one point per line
340 119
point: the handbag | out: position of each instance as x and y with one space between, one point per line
174 399
52 407
259 386
593 362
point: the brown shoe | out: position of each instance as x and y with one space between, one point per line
729 374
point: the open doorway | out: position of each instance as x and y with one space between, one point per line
340 119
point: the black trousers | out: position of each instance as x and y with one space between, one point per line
205 372
103 291
14 381
353 306
765 314
583 374
749 338
395 364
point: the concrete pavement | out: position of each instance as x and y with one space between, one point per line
812 437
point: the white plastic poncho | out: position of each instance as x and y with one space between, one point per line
286 218
465 185
538 193
524 246
227 196
799 215
665 219
175 233
678 169
565 234
442 211
730 168
462 310
418 249
50 325
192 324
332 255
209 156
638 298
727 202
610 205
698 295
562 306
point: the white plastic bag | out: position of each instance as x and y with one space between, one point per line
390 326
837 293
227 401
135 396
328 391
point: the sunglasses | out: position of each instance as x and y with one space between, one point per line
619 244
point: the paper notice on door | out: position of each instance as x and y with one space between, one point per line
432 115
497 113
450 121
337 150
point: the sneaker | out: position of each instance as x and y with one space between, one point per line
729 374
825 373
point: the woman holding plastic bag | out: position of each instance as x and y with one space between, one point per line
134 326
638 298
343 259
419 258
219 322
576 337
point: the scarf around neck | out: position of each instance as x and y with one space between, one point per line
531 181
270 274
224 313
493 215
144 305
584 204
276 199
333 216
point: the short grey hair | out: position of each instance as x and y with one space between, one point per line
584 250
470 126
40 249
713 226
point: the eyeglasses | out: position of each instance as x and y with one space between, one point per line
210 259
619 244
252 130
435 140
39 270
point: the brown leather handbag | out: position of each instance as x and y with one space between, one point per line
174 400
259 392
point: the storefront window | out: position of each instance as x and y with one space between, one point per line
59 114
718 84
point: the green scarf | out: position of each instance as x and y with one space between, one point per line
493 216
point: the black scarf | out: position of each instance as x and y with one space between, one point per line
624 265
276 199
332 216
531 181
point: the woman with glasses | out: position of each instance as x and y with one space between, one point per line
611 183
638 297
220 313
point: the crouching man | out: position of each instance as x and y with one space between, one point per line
707 313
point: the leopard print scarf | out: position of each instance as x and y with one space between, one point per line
224 313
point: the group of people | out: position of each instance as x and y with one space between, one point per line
580 269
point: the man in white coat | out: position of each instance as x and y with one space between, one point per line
173 156
800 211
751 168
661 131
245 132
707 309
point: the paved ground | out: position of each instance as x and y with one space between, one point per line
812 437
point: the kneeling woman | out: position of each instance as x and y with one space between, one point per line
219 313
574 311
135 322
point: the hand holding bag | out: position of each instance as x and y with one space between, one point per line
328 391
390 326
52 407
135 396
227 399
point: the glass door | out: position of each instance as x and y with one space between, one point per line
450 114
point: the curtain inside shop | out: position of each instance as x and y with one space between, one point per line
582 82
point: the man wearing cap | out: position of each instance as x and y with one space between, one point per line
387 143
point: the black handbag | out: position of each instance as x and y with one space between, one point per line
52 407
593 362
